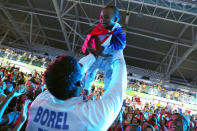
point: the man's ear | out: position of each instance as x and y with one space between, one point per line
116 19
78 84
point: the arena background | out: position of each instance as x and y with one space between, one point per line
161 35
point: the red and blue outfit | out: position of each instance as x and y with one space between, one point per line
113 41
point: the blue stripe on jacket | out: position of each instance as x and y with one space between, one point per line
118 40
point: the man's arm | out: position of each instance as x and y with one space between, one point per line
4 118
5 103
16 92
23 117
101 113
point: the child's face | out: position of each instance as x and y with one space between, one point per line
107 17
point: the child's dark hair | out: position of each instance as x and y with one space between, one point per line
115 9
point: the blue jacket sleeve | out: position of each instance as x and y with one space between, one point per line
118 40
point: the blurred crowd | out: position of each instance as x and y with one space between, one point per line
139 114
25 57
18 89
160 91
153 118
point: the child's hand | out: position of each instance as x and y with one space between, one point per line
97 41
99 50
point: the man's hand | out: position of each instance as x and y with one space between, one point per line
24 110
23 117
19 90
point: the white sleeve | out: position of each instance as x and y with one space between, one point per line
107 42
87 61
101 113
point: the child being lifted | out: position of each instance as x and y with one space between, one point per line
105 45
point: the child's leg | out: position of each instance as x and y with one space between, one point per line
108 75
90 76
108 70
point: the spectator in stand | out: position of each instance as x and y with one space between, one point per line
24 57
163 121
135 120
153 120
168 106
20 78
144 124
194 126
9 83
178 122
2 93
149 127
133 127
176 95
158 104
